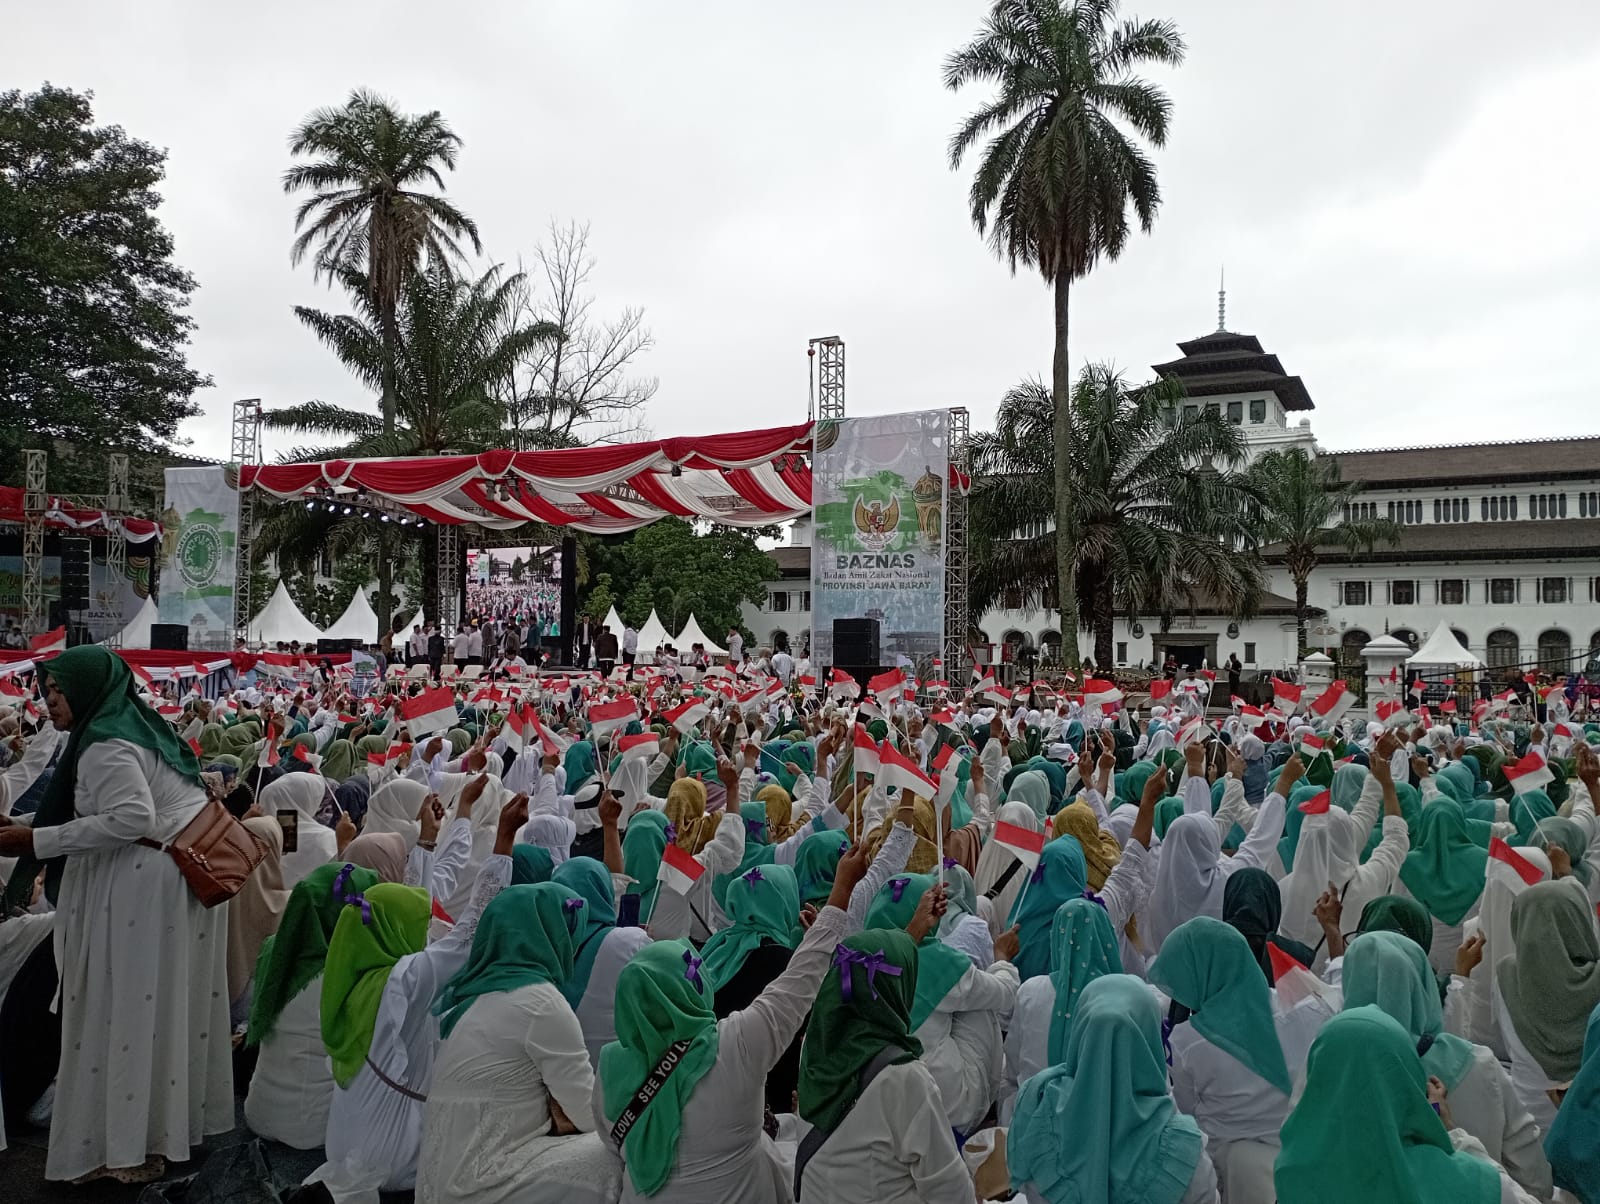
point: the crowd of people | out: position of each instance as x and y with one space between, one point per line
616 936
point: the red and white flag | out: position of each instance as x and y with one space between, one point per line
1317 804
1192 731
679 871
514 731
1311 746
1160 687
1530 773
639 748
551 743
267 752
1099 692
946 717
944 764
171 712
429 712
607 717
842 685
1391 714
302 753
1330 705
1246 711
1027 847
48 644
687 715
867 759
1286 695
436 909
888 686
10 689
898 770
1500 851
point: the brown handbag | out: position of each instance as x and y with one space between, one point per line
215 853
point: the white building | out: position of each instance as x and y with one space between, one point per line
1501 541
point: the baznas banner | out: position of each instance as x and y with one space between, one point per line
878 491
199 539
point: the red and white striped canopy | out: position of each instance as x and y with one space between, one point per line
60 515
747 479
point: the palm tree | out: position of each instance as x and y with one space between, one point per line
1302 507
451 340
1059 171
370 216
1158 505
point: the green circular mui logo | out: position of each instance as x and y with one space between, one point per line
199 554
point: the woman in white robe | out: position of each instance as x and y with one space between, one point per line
302 794
146 1072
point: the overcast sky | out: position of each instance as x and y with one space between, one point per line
1403 194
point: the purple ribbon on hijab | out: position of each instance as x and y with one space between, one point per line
756 828
349 897
873 963
950 863
1095 899
755 875
1038 872
691 970
572 904
897 887
671 833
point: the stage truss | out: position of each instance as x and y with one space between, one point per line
957 612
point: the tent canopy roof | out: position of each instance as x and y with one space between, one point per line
359 621
1442 648
652 635
280 621
692 635
137 633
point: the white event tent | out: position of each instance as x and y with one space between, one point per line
359 621
651 636
692 635
1443 649
280 622
137 633
614 621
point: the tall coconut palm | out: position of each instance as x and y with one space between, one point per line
1061 168
1158 504
452 338
1301 502
371 215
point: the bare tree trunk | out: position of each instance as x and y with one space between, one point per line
1300 612
386 600
1066 542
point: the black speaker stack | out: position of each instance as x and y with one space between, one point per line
169 637
856 642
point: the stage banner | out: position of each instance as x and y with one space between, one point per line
878 491
200 527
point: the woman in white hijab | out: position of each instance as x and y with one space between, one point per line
1191 871
393 807
553 833
996 861
303 794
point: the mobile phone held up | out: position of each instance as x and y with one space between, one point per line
289 821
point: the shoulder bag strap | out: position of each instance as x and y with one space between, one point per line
648 1090
1000 884
815 1139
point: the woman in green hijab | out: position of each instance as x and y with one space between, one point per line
531 864
642 846
601 950
1528 811
1033 788
1364 1130
339 762
1444 871
509 1033
1101 1125
292 1087
1060 875
144 1010
763 904
815 862
758 850
1551 981
893 1133
213 741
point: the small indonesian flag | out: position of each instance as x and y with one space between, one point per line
429 712
1160 687
1247 711
1424 716
842 685
1330 705
1562 732
1500 851
888 686
1099 692
551 743
1392 714
946 717
1027 847
170 713
267 752
1191 731
679 871
1286 694
194 745
1317 804
144 676
999 695
10 689
641 747
867 712
439 913
945 765
50 643
687 715
607 717
1282 963
1416 687
751 702
1530 773
866 750
1447 707
1312 746
898 770
1209 674
807 682
302 753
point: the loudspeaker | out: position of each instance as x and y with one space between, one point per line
856 642
169 637
75 556
324 647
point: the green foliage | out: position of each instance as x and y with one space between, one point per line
1160 509
518 570
676 570
92 306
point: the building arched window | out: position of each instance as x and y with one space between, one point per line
1594 643
1406 634
1461 637
1502 648
1555 650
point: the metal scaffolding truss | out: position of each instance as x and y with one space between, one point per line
245 449
34 503
116 503
957 612
830 377
449 576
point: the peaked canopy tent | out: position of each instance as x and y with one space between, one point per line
614 621
748 479
137 633
280 622
1443 649
651 636
359 621
692 635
